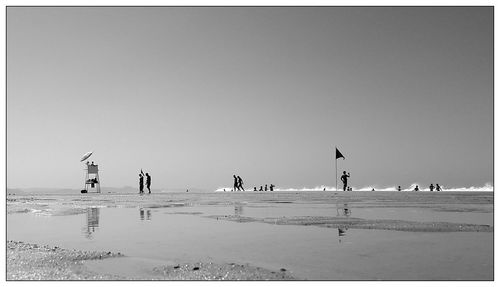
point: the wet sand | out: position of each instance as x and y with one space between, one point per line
370 211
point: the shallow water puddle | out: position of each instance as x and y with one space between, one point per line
308 252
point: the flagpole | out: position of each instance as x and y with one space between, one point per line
336 187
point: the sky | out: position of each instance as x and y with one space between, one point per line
195 95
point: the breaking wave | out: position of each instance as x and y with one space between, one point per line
487 187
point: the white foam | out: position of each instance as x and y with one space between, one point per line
487 187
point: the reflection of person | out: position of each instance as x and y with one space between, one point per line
141 184
344 177
148 182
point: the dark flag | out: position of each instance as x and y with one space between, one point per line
338 154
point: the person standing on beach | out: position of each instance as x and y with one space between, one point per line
438 188
344 177
431 188
399 187
416 188
141 184
148 182
240 183
235 185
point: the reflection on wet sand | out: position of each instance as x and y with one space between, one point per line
238 209
92 223
148 214
346 212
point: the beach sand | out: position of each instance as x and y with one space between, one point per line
411 213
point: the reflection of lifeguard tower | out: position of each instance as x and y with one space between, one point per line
92 180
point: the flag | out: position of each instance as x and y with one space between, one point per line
338 154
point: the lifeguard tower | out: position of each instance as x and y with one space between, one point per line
92 178
92 181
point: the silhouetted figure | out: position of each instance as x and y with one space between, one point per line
324 188
141 184
438 188
399 187
148 182
431 188
373 189
265 188
92 163
240 183
235 183
254 188
271 187
344 177
260 188
416 188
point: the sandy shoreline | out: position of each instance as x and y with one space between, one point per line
26 261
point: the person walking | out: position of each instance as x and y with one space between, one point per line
141 184
344 177
148 182
240 183
235 185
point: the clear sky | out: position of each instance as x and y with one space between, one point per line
195 95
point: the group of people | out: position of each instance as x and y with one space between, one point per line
346 175
238 185
431 188
271 188
141 182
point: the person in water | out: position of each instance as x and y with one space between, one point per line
271 187
254 188
416 188
141 184
260 188
265 188
399 187
344 177
431 188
